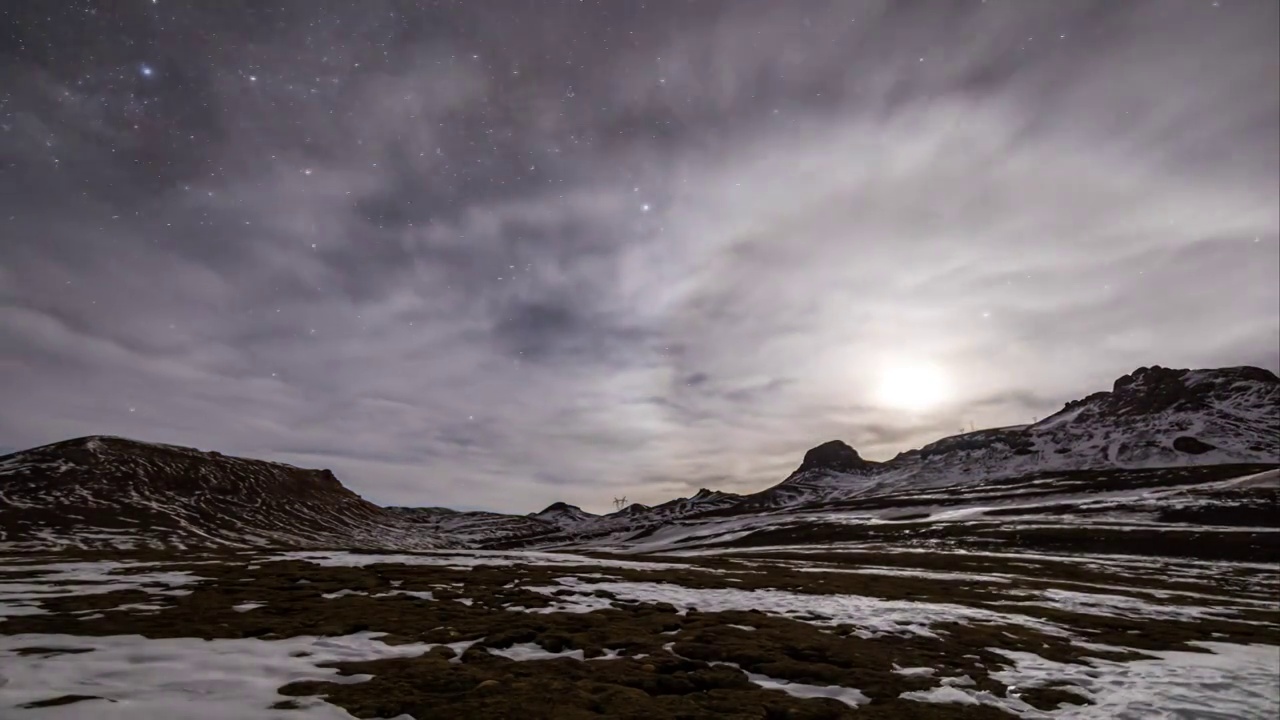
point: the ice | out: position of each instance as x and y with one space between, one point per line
342 593
419 594
23 596
463 559
874 615
928 574
180 678
1122 606
459 648
848 696
16 609
533 651
143 607
949 694
1231 682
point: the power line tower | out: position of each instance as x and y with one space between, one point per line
619 503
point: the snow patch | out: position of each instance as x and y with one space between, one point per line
181 677
533 651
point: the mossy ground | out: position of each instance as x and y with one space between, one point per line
669 665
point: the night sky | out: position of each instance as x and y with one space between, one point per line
495 254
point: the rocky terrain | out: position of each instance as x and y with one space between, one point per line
1132 445
1115 560
124 494
477 529
759 633
1154 417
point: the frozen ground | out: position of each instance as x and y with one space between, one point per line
815 632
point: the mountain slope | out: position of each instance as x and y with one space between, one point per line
112 492
476 529
1153 417
631 521
563 515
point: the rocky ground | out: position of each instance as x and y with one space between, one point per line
777 631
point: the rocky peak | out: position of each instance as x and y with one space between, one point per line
833 455
1155 389
559 507
1145 378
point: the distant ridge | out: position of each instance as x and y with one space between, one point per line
111 492
106 491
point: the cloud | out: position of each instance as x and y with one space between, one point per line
589 257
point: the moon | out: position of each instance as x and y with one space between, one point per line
911 386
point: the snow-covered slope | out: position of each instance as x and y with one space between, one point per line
634 519
1206 511
1154 417
700 502
109 492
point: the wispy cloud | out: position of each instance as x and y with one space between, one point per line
637 254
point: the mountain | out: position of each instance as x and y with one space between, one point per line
630 521
823 466
477 529
702 501
1152 417
564 515
110 492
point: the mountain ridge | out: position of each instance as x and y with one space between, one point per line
108 491
1152 417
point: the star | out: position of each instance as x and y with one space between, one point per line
146 70
645 207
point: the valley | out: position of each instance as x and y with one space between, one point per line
1134 575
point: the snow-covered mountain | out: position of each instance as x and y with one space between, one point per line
110 492
1153 417
702 501
638 517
